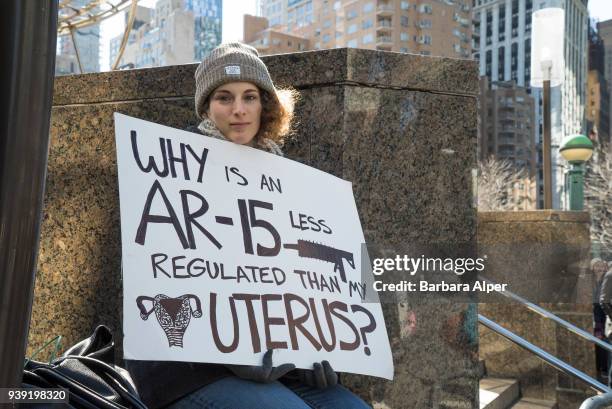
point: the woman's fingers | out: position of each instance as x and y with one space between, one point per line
266 367
281 371
319 376
330 375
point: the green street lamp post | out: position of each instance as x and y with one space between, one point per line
576 149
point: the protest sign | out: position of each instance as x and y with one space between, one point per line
229 251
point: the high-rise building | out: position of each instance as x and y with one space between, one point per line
180 32
598 97
428 27
87 45
604 30
502 31
207 16
144 15
271 40
506 132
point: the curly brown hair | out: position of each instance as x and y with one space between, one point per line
277 115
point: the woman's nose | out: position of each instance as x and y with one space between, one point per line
239 108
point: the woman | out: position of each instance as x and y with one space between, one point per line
598 268
237 101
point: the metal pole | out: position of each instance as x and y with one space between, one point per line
546 165
76 50
576 187
28 42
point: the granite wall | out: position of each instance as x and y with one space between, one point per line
539 249
401 127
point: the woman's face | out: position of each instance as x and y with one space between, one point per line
235 108
600 267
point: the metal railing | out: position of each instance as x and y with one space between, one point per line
595 402
598 402
548 358
549 315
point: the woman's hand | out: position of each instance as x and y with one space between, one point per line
321 376
265 373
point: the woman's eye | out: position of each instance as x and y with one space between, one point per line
251 97
223 98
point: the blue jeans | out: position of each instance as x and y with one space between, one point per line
236 393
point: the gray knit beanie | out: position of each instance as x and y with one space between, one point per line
228 63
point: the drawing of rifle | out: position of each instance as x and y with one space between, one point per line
310 249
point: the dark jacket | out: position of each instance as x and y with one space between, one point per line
605 298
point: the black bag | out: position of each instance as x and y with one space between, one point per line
88 372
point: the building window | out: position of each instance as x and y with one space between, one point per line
327 23
404 5
368 7
488 59
489 33
326 38
424 23
424 39
528 22
365 24
352 29
502 23
404 21
367 39
425 8
352 43
351 14
403 50
404 36
501 63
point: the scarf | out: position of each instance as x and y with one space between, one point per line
208 128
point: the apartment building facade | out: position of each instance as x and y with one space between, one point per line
604 30
598 96
506 130
427 27
143 16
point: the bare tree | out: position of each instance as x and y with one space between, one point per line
598 196
498 185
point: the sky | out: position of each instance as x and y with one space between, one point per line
600 9
233 11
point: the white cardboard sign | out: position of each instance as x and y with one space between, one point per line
229 251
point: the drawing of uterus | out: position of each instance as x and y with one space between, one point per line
173 314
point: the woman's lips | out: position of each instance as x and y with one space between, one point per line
239 125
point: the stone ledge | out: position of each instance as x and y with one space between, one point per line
316 68
535 216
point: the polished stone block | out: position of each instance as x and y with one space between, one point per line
561 248
401 128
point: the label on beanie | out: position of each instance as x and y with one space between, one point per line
232 70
